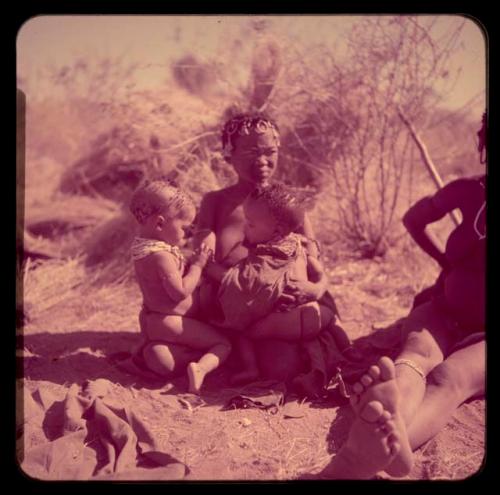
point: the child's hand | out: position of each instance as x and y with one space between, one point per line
201 255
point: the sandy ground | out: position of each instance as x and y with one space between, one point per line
71 341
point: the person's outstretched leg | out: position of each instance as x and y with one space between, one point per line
460 377
379 384
427 335
371 446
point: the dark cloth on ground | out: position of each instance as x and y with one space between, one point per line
87 436
267 395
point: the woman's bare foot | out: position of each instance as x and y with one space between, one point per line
371 446
196 375
379 384
245 376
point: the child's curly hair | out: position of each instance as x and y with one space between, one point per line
241 124
158 196
283 205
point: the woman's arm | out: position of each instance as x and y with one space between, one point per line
416 220
205 226
429 210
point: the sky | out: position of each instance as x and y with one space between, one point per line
153 41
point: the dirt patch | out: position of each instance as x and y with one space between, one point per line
71 341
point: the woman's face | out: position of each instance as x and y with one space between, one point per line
255 157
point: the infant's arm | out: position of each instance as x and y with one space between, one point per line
307 230
176 286
315 271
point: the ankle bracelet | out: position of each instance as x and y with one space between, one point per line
413 366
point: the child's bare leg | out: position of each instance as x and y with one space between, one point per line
371 446
159 358
165 358
184 331
207 363
301 323
194 334
250 370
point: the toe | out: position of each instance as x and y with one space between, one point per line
385 417
372 411
393 444
390 426
387 369
374 372
366 380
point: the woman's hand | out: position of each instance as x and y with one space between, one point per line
299 292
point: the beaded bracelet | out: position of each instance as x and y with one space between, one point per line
412 365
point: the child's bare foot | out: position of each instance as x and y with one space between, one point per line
379 384
371 446
245 376
196 375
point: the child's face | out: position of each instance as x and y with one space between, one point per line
260 224
173 230
255 157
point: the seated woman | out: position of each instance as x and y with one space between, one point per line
251 144
443 356
250 290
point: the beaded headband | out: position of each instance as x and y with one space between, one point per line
243 126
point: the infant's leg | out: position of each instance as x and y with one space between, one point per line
303 322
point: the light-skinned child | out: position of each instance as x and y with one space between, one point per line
168 281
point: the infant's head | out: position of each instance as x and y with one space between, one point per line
163 211
271 212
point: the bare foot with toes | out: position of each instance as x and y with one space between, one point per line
379 384
371 446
